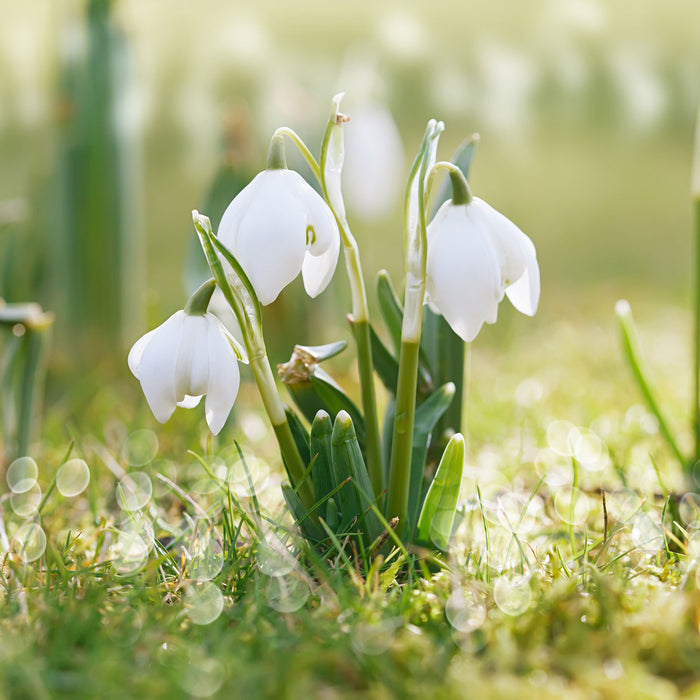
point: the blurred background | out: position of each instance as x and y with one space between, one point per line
118 118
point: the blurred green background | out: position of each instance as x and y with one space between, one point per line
586 111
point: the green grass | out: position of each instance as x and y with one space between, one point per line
572 604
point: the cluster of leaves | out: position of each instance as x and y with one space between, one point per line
335 449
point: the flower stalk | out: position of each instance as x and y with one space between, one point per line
416 254
247 310
695 194
332 156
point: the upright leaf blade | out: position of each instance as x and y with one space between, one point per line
321 454
427 415
438 512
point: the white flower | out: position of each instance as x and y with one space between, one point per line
475 255
183 359
277 227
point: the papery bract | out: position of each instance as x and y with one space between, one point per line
277 227
186 357
475 255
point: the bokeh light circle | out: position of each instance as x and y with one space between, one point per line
26 503
572 506
286 594
22 474
134 491
512 595
204 602
73 478
29 542
141 447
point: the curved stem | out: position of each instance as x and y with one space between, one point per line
332 154
303 149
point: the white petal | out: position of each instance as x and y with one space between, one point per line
224 378
157 366
134 359
510 243
463 276
271 239
189 401
192 368
230 221
524 294
321 257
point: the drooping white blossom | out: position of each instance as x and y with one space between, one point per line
183 359
277 227
475 256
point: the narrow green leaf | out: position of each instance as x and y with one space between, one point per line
320 450
438 512
301 515
357 494
427 415
632 351
301 438
391 307
385 364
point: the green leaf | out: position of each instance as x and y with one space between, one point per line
356 497
314 390
310 529
427 415
391 308
438 512
301 438
385 364
322 469
336 400
227 183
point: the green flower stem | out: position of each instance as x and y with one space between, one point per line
416 255
369 405
461 194
696 368
199 301
275 411
332 155
247 309
303 149
630 344
402 446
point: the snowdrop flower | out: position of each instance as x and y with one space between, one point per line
475 255
277 227
189 355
